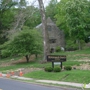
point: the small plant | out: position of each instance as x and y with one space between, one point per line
68 68
71 45
57 69
48 69
58 49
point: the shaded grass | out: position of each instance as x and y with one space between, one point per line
84 51
74 56
32 64
71 63
36 65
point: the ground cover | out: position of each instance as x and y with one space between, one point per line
79 60
78 76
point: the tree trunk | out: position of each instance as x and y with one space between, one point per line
44 28
79 45
27 58
36 55
20 19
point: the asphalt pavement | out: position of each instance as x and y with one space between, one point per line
8 84
78 85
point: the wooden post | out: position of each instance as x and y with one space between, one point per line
61 65
52 64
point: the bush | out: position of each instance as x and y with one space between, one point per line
58 49
71 45
48 69
57 69
68 68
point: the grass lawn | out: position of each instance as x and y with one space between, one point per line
78 76
73 58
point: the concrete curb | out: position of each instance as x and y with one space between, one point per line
52 82
61 83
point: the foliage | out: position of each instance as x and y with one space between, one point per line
51 9
68 68
48 69
71 45
73 17
35 19
6 18
58 49
57 69
75 20
71 76
60 17
27 42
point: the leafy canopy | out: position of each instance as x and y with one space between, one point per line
6 18
26 42
72 17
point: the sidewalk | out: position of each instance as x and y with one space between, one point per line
52 82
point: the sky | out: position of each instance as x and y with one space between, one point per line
36 2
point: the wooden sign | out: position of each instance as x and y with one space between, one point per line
56 58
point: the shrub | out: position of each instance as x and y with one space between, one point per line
58 49
48 69
57 69
68 68
71 45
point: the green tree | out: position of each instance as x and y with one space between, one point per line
35 18
87 20
26 43
60 17
6 18
51 9
74 14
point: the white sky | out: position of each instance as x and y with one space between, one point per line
36 2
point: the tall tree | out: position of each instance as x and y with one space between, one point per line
23 15
44 28
60 17
51 9
74 15
35 19
87 20
6 18
76 20
25 43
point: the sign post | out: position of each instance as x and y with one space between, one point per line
56 58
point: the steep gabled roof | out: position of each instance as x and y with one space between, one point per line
49 22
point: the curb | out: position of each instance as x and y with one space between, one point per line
61 83
51 81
